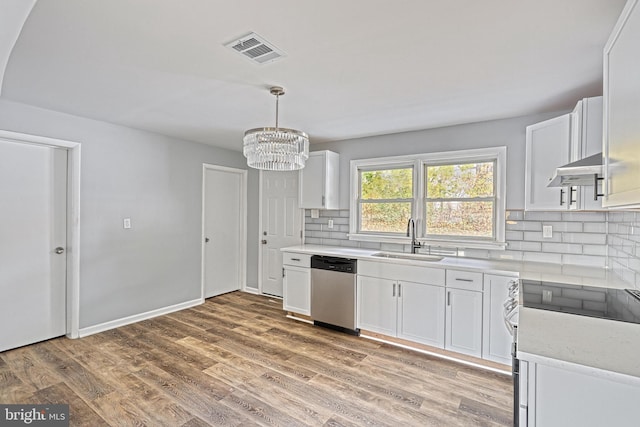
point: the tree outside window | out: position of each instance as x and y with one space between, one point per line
385 200
460 200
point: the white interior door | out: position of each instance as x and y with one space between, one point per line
224 230
33 216
281 221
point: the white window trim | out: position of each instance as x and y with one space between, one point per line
418 160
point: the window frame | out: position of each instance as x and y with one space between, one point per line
492 199
419 163
412 200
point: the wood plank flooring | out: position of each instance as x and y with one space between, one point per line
237 361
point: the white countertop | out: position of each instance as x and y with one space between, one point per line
601 347
571 274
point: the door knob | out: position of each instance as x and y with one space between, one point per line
59 250
206 240
264 242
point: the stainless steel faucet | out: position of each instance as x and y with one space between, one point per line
411 232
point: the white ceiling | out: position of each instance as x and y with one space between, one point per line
353 68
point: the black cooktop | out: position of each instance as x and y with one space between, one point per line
605 303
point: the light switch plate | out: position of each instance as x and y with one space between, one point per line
547 231
126 223
315 213
330 223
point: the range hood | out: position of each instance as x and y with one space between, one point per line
583 172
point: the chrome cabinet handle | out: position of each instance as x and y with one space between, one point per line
463 280
59 250
295 259
394 290
399 290
448 298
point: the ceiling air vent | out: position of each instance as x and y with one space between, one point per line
256 48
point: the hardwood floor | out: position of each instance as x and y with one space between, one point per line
236 360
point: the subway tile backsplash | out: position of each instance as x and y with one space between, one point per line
596 239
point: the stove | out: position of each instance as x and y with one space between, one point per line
605 303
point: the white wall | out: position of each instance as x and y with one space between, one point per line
507 132
157 182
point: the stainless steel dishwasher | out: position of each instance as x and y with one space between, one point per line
333 293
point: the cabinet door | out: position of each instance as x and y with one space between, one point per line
564 397
621 110
586 140
297 290
496 340
377 308
421 313
463 330
319 181
312 182
547 147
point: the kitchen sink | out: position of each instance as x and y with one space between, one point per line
412 257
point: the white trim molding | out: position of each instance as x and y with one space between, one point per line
112 324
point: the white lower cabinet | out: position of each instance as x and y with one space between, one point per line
464 312
402 301
496 339
464 322
421 313
296 283
555 396
377 305
407 310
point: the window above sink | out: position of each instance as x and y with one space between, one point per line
457 198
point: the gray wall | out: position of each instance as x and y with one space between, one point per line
155 180
507 132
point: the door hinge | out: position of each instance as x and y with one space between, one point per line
282 271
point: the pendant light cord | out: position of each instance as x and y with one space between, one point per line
277 104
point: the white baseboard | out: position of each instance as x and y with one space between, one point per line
83 332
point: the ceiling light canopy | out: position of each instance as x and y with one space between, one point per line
276 149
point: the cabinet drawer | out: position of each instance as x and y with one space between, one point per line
299 260
468 280
403 272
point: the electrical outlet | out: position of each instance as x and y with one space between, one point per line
547 231
315 214
330 223
126 223
546 295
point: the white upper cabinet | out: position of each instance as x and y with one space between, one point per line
547 147
622 111
586 140
319 181
555 143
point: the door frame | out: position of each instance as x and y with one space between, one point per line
260 228
243 223
72 284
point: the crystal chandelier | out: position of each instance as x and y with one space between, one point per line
276 149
